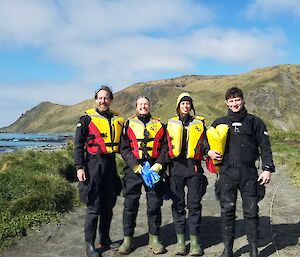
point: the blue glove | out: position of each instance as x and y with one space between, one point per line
154 176
149 175
146 174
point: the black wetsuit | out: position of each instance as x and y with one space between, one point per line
247 140
133 183
182 173
102 186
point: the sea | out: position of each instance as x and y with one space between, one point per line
10 142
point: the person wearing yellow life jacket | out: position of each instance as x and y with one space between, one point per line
247 139
143 139
187 143
96 142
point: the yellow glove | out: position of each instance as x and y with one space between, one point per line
156 167
137 168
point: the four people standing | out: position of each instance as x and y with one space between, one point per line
146 147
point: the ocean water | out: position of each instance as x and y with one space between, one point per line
13 141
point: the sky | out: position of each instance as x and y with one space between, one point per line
63 50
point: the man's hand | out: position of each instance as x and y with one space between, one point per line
264 177
81 175
214 155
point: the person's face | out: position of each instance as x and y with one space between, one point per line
142 106
185 107
235 104
103 100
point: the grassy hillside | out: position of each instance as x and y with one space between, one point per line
273 93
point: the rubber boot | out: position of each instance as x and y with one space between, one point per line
155 245
228 250
90 250
106 244
253 249
195 249
127 246
180 247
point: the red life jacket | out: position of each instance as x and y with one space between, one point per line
146 140
104 136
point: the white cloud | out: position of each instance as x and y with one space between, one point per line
235 47
268 8
120 42
123 41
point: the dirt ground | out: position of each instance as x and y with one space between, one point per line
279 228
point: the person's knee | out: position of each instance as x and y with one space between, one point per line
131 204
194 205
228 208
250 207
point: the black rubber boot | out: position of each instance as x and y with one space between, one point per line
90 250
228 250
253 249
106 244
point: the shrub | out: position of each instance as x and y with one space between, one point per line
33 190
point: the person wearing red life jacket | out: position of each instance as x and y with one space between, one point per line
143 143
96 142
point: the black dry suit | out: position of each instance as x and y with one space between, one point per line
183 174
247 140
133 184
102 186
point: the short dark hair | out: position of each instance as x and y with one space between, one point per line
105 88
234 92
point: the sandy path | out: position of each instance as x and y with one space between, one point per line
66 239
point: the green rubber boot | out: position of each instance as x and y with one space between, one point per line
180 247
127 246
195 249
155 245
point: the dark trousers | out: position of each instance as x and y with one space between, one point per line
196 187
132 192
102 191
245 180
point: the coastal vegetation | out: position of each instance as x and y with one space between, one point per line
35 188
286 151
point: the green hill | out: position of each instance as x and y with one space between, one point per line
273 93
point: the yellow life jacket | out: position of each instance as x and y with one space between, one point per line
194 137
146 140
217 138
104 136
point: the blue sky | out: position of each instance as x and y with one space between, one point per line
61 51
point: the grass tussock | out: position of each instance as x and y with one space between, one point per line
286 149
35 188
